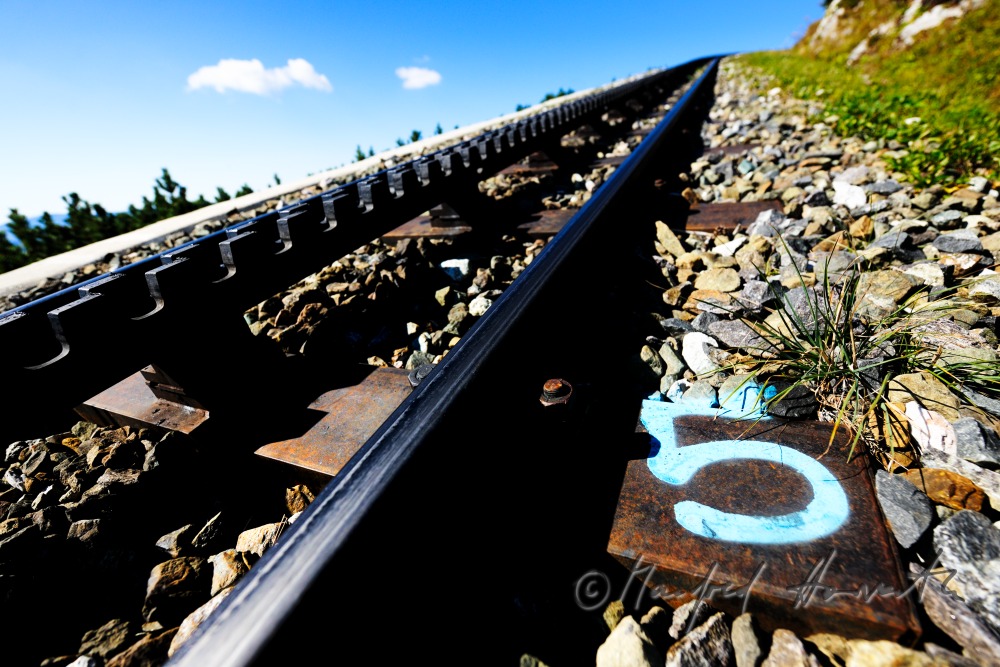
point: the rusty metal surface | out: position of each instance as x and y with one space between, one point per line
140 400
728 151
423 227
709 217
859 556
352 415
547 223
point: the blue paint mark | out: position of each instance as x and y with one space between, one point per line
824 515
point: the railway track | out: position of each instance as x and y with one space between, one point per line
182 316
453 406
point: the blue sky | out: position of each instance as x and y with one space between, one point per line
98 97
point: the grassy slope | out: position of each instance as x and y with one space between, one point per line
949 78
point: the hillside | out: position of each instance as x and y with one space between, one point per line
924 75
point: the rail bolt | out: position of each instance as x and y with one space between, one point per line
555 392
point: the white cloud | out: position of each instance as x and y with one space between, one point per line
249 76
418 77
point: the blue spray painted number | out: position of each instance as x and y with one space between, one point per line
824 515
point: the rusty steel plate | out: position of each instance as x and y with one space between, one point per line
353 414
795 532
547 223
133 402
425 227
728 151
727 216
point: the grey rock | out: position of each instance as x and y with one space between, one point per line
106 640
969 545
708 644
960 241
906 508
755 294
853 175
675 327
675 392
891 239
746 643
418 359
979 400
628 646
946 219
701 393
674 365
884 188
798 403
703 321
738 334
175 541
805 306
976 442
834 267
956 618
818 198
688 616
768 223
986 290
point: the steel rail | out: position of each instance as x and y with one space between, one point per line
246 627
108 327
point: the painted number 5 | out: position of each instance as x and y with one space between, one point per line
824 515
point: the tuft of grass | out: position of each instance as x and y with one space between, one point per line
948 80
846 357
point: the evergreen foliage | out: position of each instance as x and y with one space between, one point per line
87 223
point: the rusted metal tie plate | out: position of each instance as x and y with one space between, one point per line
756 515
352 415
727 215
145 399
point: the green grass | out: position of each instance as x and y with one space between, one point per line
950 80
846 357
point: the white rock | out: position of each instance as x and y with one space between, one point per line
479 306
729 249
931 430
695 352
628 646
851 196
455 268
